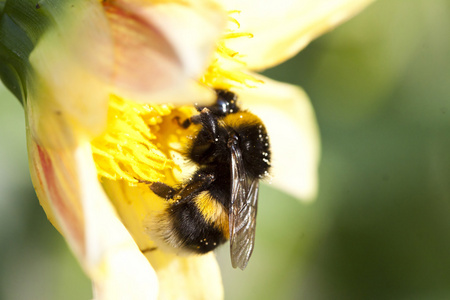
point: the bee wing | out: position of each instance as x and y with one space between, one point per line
243 208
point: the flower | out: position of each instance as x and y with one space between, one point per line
95 79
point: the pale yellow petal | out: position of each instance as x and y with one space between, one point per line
141 51
117 266
195 277
67 187
294 136
162 48
66 85
280 29
190 277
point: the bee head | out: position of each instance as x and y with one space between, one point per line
226 103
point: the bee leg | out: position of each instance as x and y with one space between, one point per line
198 183
185 124
209 135
206 118
196 119
162 190
146 250
209 123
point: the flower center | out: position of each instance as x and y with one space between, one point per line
142 143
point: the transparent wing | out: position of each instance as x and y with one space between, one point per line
243 208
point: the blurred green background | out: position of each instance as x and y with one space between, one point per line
380 227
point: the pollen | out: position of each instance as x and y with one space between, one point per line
142 142
224 72
136 145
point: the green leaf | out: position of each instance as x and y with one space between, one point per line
22 23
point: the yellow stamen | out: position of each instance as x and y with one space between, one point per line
132 148
233 35
222 72
141 140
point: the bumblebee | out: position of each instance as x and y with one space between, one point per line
219 201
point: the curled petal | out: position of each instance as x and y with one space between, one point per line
39 47
162 48
280 29
65 180
291 124
68 56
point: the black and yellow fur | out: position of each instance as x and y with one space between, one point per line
197 216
